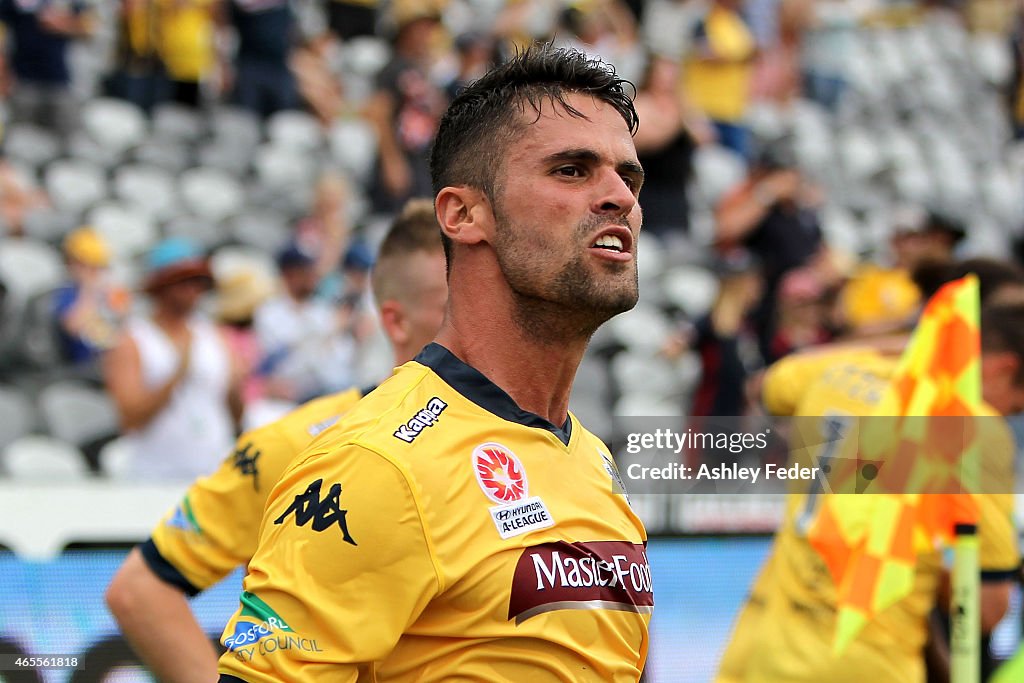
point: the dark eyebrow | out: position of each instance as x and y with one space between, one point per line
588 155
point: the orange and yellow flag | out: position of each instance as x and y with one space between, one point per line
914 443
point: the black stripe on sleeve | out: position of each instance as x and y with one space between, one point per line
995 576
166 571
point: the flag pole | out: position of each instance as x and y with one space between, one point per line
965 608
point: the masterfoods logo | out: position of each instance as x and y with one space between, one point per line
260 631
612 575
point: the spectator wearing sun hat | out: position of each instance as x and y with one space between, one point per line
171 374
90 309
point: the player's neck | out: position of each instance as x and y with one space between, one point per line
538 376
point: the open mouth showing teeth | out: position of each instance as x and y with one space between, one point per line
609 242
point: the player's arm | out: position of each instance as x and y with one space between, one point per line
213 531
155 618
344 566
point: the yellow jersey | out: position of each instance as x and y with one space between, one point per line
215 527
720 88
442 533
785 631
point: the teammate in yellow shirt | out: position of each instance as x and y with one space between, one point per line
785 630
460 524
215 528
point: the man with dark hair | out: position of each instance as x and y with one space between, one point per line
215 528
460 523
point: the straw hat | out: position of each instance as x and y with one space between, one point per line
240 293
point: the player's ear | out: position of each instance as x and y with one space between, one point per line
394 322
464 214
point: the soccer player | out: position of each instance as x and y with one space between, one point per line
216 526
785 631
460 524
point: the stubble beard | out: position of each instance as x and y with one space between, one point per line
575 302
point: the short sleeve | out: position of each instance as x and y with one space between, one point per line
343 568
215 527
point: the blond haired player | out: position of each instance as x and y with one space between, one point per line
785 631
215 528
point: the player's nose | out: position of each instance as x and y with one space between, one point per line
615 195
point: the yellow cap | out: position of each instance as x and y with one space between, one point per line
87 246
875 296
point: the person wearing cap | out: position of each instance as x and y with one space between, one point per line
307 350
89 310
406 106
170 374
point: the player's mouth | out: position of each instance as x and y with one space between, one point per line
614 243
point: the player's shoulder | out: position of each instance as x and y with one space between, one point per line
375 422
786 381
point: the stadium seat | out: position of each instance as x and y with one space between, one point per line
643 329
77 413
148 187
365 55
75 184
48 225
236 127
127 229
176 122
226 155
295 130
43 458
210 193
690 288
201 231
652 265
115 125
717 170
284 169
169 155
30 144
265 230
640 404
1002 196
115 458
354 148
28 267
991 59
861 156
19 416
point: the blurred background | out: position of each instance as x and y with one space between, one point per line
807 162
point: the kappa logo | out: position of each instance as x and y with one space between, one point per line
246 462
426 417
500 474
324 513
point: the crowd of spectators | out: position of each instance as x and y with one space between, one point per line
795 190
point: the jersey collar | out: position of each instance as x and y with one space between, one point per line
475 386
